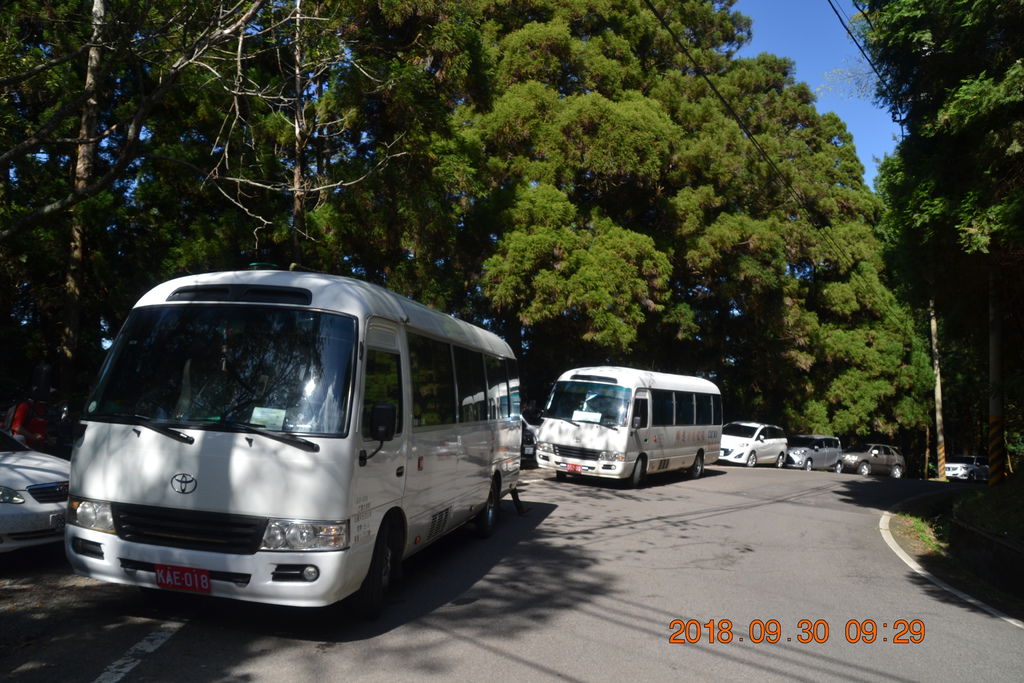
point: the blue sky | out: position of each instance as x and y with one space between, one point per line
808 32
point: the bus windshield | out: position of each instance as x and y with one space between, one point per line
589 402
213 365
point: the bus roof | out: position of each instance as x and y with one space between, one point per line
323 292
633 377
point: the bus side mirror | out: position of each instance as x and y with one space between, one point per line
382 421
382 428
636 422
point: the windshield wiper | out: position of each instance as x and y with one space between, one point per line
565 419
147 422
283 437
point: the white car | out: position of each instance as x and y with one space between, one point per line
33 496
967 468
753 443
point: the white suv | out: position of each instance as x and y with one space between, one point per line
752 443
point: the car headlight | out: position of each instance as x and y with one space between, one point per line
91 514
302 534
545 447
613 456
9 495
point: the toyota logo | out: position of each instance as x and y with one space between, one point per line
183 483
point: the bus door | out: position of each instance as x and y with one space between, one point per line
382 478
644 438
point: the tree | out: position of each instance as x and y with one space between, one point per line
955 188
79 90
631 211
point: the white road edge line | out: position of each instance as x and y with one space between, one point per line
119 669
883 527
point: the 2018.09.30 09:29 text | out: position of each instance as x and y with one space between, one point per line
771 631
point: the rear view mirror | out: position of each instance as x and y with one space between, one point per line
382 428
382 421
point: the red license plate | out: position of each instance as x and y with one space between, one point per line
183 578
569 467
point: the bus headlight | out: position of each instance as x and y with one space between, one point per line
301 534
91 514
613 456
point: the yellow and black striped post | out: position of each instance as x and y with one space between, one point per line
996 451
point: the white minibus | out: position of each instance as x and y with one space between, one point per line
287 438
624 423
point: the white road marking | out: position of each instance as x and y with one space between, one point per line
148 645
883 526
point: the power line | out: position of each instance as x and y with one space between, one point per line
893 95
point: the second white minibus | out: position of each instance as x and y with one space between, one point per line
624 423
287 438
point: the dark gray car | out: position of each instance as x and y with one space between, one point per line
815 452
875 458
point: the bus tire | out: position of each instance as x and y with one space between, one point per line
369 599
639 476
697 468
487 518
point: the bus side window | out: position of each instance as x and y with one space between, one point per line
433 381
704 409
497 388
383 384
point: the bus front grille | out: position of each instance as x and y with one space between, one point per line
189 529
577 453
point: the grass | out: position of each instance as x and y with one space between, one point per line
996 509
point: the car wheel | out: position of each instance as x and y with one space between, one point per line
752 459
864 469
487 518
561 476
970 477
639 475
838 467
781 460
697 468
369 599
808 466
896 472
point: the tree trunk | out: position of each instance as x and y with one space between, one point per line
85 158
940 439
299 123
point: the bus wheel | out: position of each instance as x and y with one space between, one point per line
639 475
697 468
369 599
487 518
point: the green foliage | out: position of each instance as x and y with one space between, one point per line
556 170
954 190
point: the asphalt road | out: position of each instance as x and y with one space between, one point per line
592 584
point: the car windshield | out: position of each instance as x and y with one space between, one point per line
861 448
801 441
962 460
213 365
734 429
589 402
